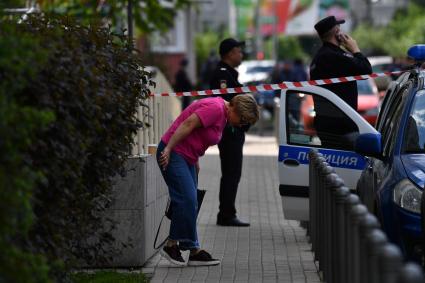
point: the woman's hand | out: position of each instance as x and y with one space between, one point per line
164 158
192 122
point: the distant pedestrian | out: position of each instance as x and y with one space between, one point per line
199 126
329 62
182 82
233 139
207 69
299 73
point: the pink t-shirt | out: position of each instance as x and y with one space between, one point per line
212 113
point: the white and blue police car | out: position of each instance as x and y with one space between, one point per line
298 135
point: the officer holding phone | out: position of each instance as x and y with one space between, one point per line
339 56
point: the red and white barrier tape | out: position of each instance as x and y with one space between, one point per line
283 85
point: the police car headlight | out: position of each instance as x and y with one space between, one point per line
408 196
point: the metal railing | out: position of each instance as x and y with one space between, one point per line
346 239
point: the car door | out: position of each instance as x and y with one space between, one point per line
376 169
298 134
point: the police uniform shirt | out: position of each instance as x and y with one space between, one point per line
332 62
225 76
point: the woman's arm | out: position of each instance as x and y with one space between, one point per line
192 122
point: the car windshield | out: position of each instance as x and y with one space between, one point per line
364 87
414 136
259 69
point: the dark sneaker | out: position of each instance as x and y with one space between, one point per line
173 255
202 258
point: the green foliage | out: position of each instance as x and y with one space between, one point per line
289 47
149 15
206 43
109 277
368 41
12 4
405 30
19 125
68 99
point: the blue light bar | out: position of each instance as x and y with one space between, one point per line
417 52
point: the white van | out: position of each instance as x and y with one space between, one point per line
298 135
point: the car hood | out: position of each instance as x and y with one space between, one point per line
366 102
414 164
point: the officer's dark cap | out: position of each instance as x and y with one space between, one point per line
228 44
326 24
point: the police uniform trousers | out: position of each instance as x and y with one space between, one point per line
230 146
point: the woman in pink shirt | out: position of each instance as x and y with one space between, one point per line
199 126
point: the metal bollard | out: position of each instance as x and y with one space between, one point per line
341 196
334 183
411 273
357 212
322 208
319 213
314 163
313 158
351 201
318 198
331 181
390 262
375 240
366 225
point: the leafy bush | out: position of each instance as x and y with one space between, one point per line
405 29
20 55
289 47
76 91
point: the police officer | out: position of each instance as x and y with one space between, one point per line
329 62
233 138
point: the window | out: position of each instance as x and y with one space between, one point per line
314 121
390 95
414 135
390 126
364 87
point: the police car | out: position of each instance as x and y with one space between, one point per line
389 160
297 136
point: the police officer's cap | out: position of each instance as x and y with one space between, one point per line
326 24
228 44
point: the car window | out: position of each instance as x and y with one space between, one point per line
332 128
259 69
390 95
391 124
414 135
364 87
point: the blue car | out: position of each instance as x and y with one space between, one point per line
392 182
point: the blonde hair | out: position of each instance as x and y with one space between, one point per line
246 107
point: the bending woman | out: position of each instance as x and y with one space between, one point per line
199 126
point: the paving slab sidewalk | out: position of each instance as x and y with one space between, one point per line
272 249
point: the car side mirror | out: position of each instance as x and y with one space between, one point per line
369 145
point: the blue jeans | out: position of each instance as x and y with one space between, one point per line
181 180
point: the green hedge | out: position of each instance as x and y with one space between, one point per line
68 99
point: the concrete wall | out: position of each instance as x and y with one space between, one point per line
139 203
